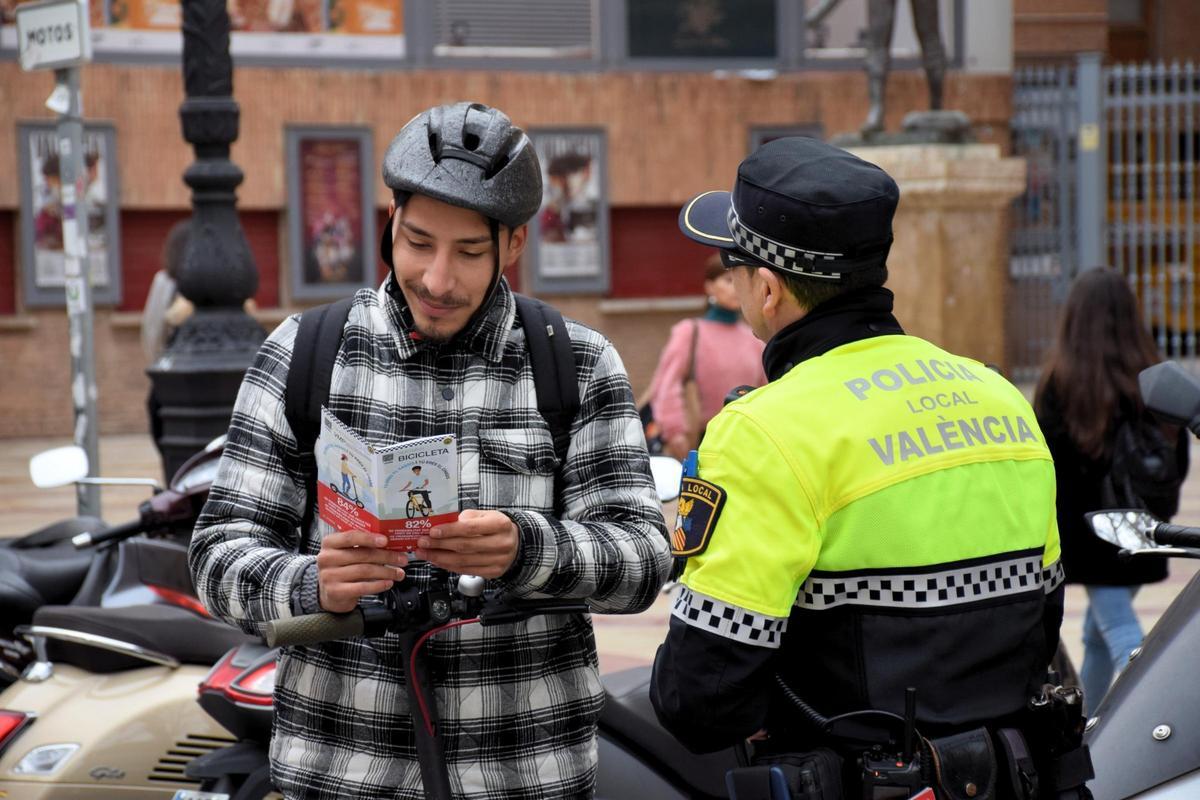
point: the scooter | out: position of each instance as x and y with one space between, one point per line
1145 735
83 562
106 707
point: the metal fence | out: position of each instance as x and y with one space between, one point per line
1042 258
1112 181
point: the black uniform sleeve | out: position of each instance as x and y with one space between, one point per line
1052 619
710 692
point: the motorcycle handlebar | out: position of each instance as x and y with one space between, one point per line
314 628
1176 535
87 539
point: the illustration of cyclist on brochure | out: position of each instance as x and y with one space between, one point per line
401 490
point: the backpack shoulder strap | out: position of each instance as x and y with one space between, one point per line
554 372
318 340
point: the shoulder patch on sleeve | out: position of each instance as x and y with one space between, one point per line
700 504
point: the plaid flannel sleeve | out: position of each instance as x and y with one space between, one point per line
611 546
243 553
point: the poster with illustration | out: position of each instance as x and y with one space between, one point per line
43 200
571 228
332 218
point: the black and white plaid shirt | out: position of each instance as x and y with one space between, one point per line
518 703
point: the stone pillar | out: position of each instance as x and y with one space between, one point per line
949 262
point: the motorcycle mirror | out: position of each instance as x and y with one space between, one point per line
61 466
667 476
200 469
1172 392
1128 529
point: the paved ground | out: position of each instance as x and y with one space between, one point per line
623 641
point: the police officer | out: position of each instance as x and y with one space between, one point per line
879 516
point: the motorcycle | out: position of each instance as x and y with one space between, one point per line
105 706
83 562
108 707
1145 735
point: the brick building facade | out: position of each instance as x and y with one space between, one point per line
671 129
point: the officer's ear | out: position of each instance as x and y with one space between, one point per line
770 292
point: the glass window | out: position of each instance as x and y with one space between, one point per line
709 29
515 28
842 33
1125 12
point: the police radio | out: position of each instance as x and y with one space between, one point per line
888 776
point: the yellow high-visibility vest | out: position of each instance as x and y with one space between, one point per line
883 458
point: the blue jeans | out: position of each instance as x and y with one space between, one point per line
1110 633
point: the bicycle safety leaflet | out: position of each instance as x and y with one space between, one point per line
401 490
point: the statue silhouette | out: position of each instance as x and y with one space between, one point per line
881 16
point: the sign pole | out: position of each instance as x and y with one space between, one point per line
78 284
54 34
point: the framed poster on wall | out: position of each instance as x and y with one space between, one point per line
331 213
569 241
43 264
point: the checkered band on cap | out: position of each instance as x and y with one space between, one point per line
950 586
731 622
813 263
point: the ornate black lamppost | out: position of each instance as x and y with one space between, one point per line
196 380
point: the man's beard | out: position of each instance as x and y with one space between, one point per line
419 291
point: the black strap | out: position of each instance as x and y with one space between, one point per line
318 340
1018 765
553 364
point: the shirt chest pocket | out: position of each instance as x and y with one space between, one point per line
516 469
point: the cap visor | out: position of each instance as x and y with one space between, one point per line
705 220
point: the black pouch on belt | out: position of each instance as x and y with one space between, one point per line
965 766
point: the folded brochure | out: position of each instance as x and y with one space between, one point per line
400 490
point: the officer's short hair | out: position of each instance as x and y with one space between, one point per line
811 292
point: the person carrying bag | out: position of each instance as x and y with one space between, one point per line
703 359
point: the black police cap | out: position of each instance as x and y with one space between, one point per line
800 206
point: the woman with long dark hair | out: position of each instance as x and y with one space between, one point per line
1088 389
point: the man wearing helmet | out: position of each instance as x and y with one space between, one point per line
438 349
879 516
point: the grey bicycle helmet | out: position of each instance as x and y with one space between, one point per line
468 155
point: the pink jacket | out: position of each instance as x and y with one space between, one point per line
726 356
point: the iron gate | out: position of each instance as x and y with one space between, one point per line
1112 181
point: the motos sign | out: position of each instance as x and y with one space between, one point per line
53 34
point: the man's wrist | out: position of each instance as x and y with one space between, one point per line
306 591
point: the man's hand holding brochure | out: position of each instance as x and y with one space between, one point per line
401 497
401 491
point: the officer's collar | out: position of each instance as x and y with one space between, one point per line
857 314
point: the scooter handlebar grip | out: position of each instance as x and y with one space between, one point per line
1176 535
123 531
314 628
